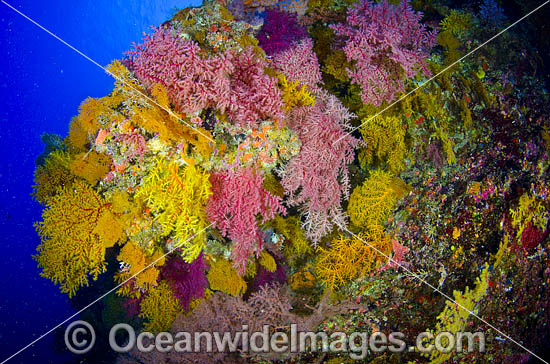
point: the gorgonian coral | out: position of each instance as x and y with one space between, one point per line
71 250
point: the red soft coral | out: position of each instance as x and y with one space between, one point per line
238 197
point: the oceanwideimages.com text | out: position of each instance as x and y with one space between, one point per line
358 344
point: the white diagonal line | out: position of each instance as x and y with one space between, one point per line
170 112
435 289
97 300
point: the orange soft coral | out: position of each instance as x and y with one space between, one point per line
349 257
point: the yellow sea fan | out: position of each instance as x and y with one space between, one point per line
160 309
51 176
385 139
267 261
455 318
70 248
457 22
290 228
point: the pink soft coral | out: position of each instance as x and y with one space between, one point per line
192 82
299 63
387 43
317 179
232 82
238 197
254 95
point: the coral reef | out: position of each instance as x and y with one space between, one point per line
256 164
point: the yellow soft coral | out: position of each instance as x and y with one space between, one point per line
72 245
91 166
109 229
349 257
222 277
155 115
126 209
385 139
137 262
293 95
160 309
372 202
177 197
126 84
455 315
52 175
267 261
448 145
336 65
457 22
529 211
87 123
290 228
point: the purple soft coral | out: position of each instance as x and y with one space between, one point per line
187 280
279 32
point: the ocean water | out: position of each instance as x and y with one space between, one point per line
42 83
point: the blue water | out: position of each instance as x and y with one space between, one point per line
42 83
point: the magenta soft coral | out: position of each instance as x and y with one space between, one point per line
387 43
187 280
238 197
